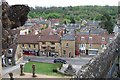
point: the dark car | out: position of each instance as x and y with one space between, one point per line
60 61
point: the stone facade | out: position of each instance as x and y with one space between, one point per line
18 55
68 48
50 47
0 69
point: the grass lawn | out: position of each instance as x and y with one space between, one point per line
43 68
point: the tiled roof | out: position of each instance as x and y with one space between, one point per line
27 39
36 29
96 39
51 38
47 31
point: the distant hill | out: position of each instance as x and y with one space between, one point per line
77 12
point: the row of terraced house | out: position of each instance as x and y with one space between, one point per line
67 45
70 40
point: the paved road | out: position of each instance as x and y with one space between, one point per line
77 63
74 61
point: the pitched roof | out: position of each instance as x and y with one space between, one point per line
27 39
95 39
68 37
72 26
51 38
47 31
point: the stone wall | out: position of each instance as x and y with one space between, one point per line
99 66
0 68
12 17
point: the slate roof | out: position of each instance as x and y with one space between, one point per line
83 32
92 30
72 26
68 37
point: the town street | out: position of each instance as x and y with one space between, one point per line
75 61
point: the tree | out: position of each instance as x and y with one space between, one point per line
107 23
53 15
72 20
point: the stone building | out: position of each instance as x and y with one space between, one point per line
92 44
28 44
49 44
68 46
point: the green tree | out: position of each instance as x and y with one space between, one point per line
107 23
53 15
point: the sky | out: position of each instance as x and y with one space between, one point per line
63 3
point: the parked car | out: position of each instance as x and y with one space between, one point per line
60 61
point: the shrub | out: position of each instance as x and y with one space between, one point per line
54 70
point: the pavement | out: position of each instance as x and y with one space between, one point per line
10 68
16 74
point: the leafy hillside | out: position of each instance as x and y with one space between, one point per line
77 12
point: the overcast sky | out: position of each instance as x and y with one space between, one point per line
48 3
